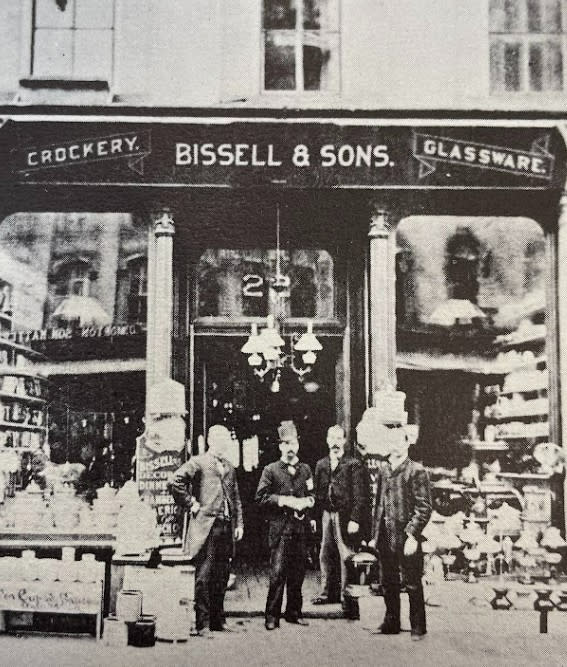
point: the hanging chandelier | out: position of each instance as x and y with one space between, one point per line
266 349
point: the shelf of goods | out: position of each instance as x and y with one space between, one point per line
23 399
521 407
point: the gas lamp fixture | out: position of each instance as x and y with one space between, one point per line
266 348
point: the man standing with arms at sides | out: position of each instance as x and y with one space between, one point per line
403 508
206 486
341 492
286 491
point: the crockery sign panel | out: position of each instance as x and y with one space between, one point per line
322 155
53 597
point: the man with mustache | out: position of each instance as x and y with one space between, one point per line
286 492
341 494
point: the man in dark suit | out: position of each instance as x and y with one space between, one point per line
402 510
286 491
206 486
341 496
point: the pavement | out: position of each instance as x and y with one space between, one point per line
463 630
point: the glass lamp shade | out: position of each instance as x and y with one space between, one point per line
308 342
269 337
255 359
271 353
253 345
309 358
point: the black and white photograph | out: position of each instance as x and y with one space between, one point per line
283 332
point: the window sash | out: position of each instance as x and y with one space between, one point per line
63 41
526 74
527 45
311 32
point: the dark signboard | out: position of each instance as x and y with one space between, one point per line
283 154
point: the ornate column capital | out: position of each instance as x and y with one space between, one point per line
163 224
380 225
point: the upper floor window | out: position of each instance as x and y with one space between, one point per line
527 42
73 39
301 45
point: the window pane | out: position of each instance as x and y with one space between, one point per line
321 14
99 14
320 61
544 16
512 80
553 73
279 14
52 53
536 67
552 16
506 15
303 302
279 61
51 14
93 54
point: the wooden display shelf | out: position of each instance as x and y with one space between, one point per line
19 426
533 390
485 446
520 342
510 418
14 371
22 397
17 347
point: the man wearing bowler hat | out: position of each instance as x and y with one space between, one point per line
206 486
286 491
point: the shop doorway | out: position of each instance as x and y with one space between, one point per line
226 391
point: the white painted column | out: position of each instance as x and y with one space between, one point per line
561 301
160 300
382 303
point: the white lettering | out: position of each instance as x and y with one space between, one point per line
182 154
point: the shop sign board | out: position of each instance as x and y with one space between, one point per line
282 154
52 597
160 451
25 337
156 461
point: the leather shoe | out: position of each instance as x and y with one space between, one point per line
271 624
297 621
202 632
387 629
417 636
224 627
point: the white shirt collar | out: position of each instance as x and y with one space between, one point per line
397 462
290 463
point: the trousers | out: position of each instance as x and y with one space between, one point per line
332 541
395 567
211 576
287 571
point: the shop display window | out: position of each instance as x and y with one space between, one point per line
301 45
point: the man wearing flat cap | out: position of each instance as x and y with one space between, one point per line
286 492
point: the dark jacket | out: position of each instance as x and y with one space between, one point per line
277 481
403 503
344 491
200 477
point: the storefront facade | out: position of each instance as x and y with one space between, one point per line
212 226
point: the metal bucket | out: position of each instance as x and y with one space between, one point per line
129 606
115 632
